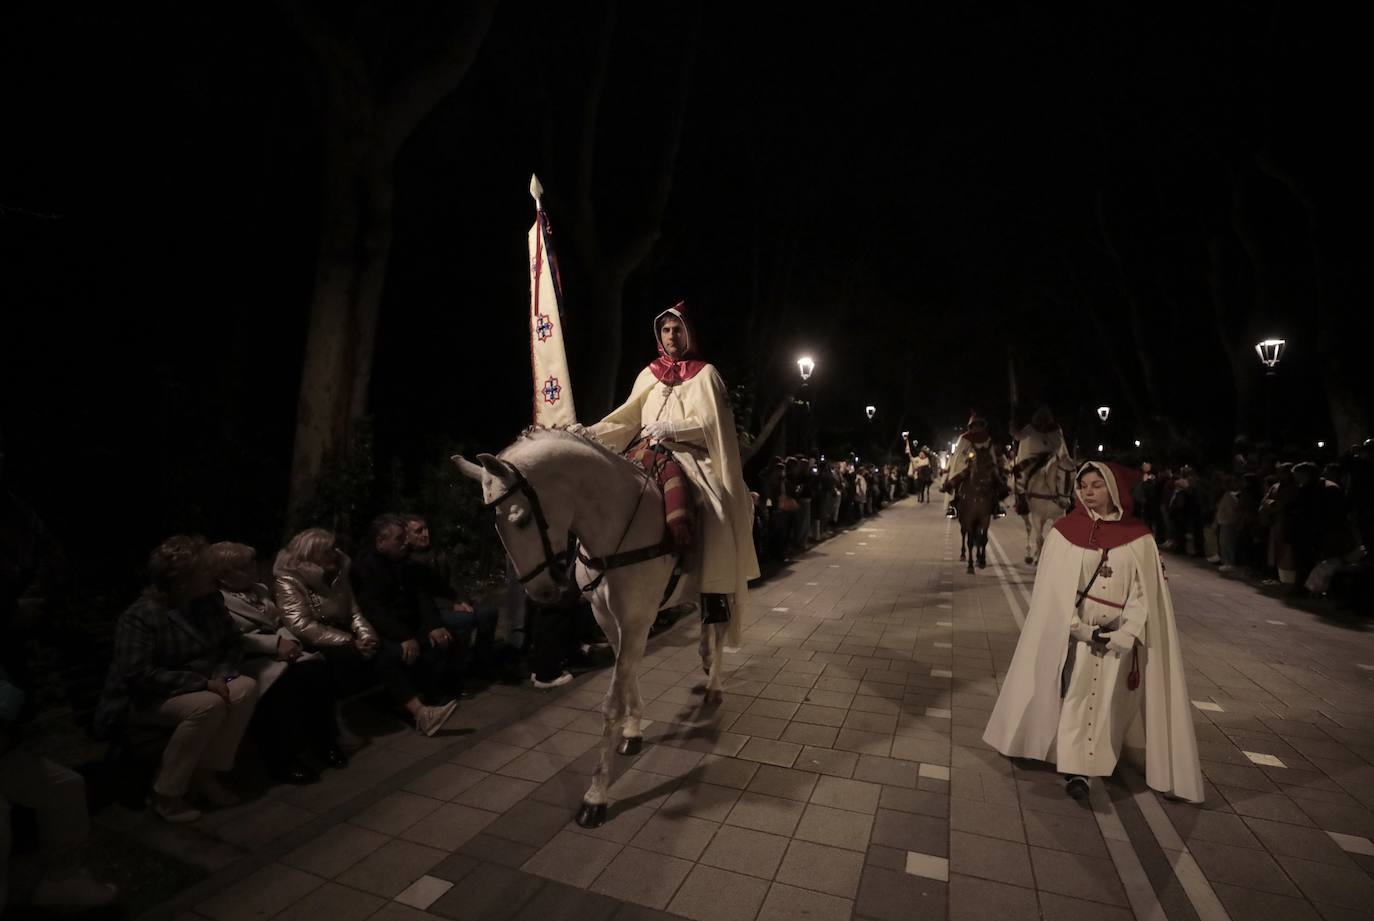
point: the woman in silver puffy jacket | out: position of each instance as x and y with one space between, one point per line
311 585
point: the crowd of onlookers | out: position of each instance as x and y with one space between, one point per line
799 501
223 646
1301 527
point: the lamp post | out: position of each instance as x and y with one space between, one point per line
806 366
1270 352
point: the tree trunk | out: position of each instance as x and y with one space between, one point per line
1242 371
355 240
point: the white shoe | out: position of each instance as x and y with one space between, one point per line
431 719
74 892
548 685
1226 567
173 809
1214 559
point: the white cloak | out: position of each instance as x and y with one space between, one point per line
1030 441
1030 720
707 447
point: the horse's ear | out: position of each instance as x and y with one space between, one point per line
467 468
494 465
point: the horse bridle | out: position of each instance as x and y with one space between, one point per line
553 562
558 563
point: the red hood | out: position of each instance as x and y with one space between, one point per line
1082 530
668 370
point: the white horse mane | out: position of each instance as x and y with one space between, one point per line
538 435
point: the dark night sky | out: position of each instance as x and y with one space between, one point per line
930 179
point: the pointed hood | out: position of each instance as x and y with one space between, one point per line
1085 529
675 371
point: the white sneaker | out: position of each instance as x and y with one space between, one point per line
73 892
431 719
1226 567
555 683
1214 559
173 809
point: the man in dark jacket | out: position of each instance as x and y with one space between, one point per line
463 617
416 647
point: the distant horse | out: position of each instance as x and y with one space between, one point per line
572 514
925 475
1047 489
978 495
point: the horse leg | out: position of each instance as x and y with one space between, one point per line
983 546
592 813
1032 551
631 654
714 635
963 542
970 538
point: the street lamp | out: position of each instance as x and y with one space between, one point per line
1103 412
1270 352
1137 442
869 411
1321 444
805 365
1099 449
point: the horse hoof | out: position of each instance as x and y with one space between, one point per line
591 815
982 564
631 745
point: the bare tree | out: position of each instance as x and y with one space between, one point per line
608 266
376 77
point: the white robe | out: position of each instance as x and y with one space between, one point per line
1030 720
707 448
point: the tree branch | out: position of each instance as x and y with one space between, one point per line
425 86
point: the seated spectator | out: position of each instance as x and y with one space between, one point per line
311 583
470 623
176 661
295 712
29 562
390 591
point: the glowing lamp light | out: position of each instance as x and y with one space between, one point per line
1103 412
1270 352
805 365
1099 449
869 411
1321 444
1137 442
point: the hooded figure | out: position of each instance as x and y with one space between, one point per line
1098 665
681 401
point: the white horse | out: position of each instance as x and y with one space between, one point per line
1048 490
563 498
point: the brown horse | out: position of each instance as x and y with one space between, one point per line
978 495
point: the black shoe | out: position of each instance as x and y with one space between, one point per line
296 774
1077 786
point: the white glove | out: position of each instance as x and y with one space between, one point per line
1118 642
1081 631
660 430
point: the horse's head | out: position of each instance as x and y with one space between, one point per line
534 534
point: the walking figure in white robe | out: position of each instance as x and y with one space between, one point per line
1098 667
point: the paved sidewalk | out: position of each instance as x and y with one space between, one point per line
844 776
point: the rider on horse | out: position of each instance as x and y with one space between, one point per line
976 437
1037 445
680 402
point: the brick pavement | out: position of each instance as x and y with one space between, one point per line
843 776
